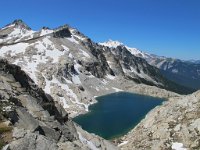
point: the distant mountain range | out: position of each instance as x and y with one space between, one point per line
186 73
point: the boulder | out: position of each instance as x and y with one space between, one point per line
33 141
49 132
19 133
22 119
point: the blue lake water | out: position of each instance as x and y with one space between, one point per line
116 114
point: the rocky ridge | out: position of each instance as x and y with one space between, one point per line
37 121
174 125
183 72
186 73
73 69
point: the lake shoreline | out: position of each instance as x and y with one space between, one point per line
131 113
140 89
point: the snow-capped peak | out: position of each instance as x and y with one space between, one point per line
21 24
18 23
133 51
138 53
15 32
112 44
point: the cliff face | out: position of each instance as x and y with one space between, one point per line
174 124
37 121
182 72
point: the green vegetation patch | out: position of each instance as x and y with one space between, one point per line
5 134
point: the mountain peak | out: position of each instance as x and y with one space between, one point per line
65 26
112 44
19 23
62 31
45 28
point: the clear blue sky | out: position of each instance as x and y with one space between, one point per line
163 27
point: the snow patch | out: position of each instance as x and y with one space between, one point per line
79 37
19 33
63 100
84 53
74 34
141 74
65 48
178 146
73 40
6 147
116 89
70 55
88 143
134 51
45 32
76 67
64 87
44 47
110 77
14 49
9 26
160 64
109 62
104 81
123 143
112 44
27 64
76 79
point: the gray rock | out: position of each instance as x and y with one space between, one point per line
4 85
26 143
43 144
175 121
16 84
25 120
69 131
33 106
196 144
19 133
33 142
49 133
4 95
62 32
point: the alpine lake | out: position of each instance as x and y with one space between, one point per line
116 114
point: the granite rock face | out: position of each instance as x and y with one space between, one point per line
175 122
38 122
181 72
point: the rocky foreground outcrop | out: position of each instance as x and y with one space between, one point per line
175 124
34 120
